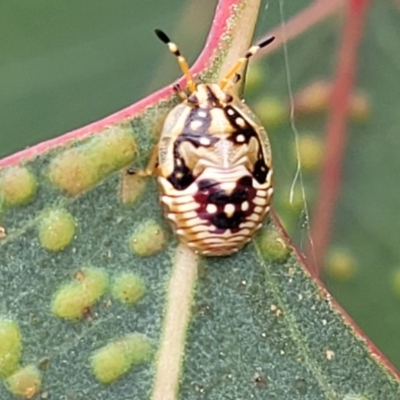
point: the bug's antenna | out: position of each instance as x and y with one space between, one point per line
252 50
173 48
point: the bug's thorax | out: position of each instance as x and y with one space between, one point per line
216 131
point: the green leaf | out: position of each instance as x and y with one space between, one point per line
98 300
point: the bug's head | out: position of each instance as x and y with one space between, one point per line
208 95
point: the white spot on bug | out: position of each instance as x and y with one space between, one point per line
231 112
178 161
211 208
202 114
229 209
240 138
204 141
228 187
258 209
196 124
240 122
245 206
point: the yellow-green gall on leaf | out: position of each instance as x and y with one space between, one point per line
74 300
25 382
17 186
72 172
111 150
77 169
139 348
10 347
272 112
116 358
110 362
311 152
56 230
272 245
128 288
341 265
149 238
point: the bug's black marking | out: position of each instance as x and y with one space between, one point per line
260 171
210 192
221 198
212 99
205 184
194 135
223 222
182 177
246 130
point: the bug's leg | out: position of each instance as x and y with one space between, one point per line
252 50
173 48
236 78
151 165
178 90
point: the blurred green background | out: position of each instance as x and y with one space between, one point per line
67 63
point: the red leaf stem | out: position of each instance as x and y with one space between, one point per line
330 179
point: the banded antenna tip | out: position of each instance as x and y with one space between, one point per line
266 42
162 36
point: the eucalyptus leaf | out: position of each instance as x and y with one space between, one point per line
98 300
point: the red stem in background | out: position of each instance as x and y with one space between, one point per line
336 132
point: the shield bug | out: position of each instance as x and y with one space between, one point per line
214 164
